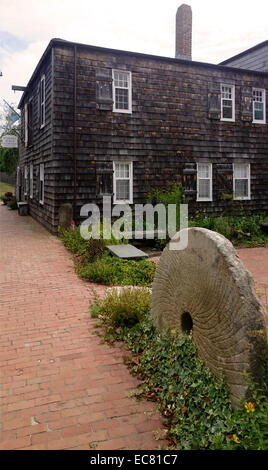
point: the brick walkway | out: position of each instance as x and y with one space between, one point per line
256 261
60 388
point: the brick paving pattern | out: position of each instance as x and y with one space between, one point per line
59 387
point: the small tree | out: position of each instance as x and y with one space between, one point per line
8 156
8 160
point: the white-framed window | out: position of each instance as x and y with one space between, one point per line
122 91
41 183
42 101
259 106
25 181
227 102
26 125
123 182
241 181
204 182
31 180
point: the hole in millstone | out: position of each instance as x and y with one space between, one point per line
186 323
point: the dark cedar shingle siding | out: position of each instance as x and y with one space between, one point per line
174 123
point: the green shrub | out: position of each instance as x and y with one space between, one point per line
7 197
12 203
125 307
170 195
73 241
116 271
94 250
90 250
239 230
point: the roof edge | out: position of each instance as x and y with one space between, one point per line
241 54
62 42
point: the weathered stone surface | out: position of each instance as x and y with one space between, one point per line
65 216
206 288
126 251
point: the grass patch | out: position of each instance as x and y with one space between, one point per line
112 271
123 308
194 403
5 188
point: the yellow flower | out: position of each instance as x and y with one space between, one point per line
250 407
234 438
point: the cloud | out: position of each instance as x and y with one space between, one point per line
17 69
220 30
10 43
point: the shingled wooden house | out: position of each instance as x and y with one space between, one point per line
100 121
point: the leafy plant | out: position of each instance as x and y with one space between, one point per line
8 160
7 197
125 307
238 229
12 203
116 271
194 403
94 250
74 241
172 194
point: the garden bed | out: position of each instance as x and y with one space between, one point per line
195 405
93 263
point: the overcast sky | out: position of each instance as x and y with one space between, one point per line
220 30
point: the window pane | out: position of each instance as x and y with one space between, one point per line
42 114
226 92
42 90
204 171
241 188
41 191
121 79
121 98
227 109
122 170
204 189
122 190
258 96
241 170
125 170
258 111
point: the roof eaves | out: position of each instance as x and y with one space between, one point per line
63 42
241 54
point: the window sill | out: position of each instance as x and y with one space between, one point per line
204 200
227 120
241 199
259 122
123 111
123 202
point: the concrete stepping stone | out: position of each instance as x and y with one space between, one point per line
126 251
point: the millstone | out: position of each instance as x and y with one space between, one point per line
207 290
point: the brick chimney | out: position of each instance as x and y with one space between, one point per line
184 33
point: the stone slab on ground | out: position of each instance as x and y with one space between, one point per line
126 251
